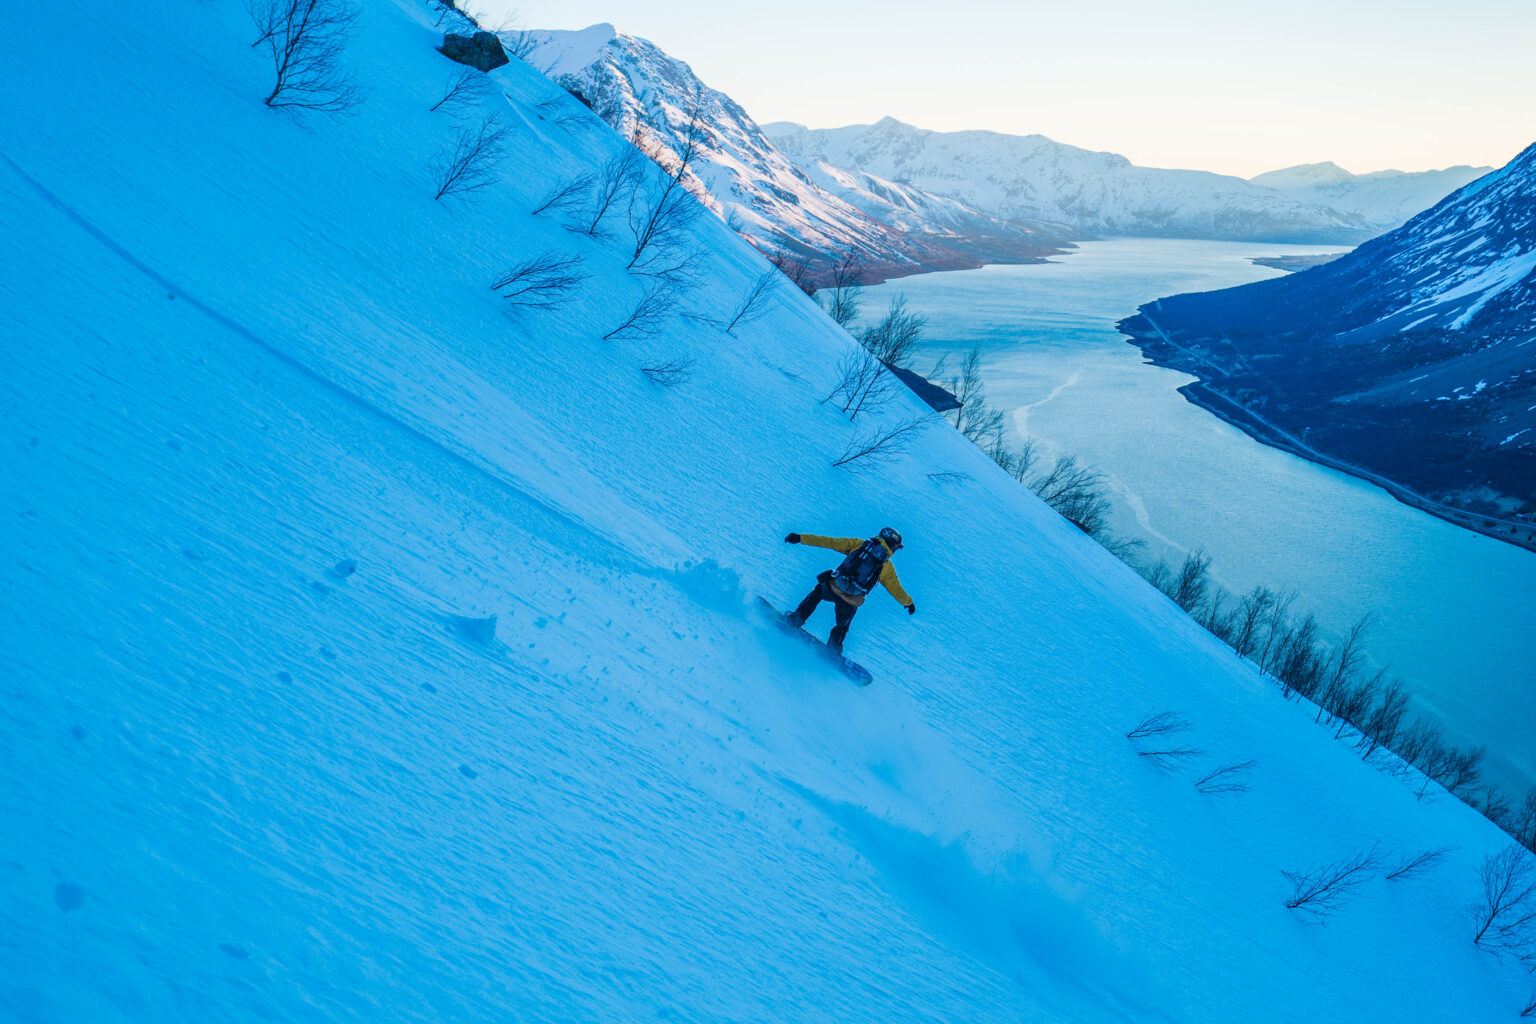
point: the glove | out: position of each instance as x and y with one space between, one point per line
912 608
793 538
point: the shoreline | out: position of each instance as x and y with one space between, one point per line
1201 395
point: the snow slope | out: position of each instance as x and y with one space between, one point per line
244 782
1035 178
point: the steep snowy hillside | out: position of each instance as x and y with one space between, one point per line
1385 199
637 88
380 650
1414 356
1031 177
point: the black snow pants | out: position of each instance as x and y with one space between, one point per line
842 609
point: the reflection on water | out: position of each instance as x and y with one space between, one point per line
1455 612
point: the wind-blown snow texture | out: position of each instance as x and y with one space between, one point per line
243 782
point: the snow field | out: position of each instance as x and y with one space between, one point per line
242 350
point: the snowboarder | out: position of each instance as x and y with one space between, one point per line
868 563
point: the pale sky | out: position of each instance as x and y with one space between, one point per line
1239 87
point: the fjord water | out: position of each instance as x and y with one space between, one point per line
1453 612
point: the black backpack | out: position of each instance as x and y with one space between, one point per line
860 571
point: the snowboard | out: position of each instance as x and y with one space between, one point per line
853 670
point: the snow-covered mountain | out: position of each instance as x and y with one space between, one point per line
1386 199
1032 178
819 213
1414 355
377 649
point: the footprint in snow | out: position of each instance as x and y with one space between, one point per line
468 772
77 732
234 951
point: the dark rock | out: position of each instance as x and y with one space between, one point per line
482 51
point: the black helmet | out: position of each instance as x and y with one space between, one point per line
891 538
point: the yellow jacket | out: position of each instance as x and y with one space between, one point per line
848 545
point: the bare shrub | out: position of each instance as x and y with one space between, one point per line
654 308
306 40
614 181
1076 493
754 304
881 444
464 87
894 339
519 43
1384 719
1324 889
567 195
469 165
1408 867
1163 723
795 267
842 295
1506 916
863 384
1229 778
670 373
561 111
543 281
660 220
1169 758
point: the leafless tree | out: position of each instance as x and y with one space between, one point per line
470 164
1338 694
894 339
753 305
616 179
542 282
1162 723
881 444
1324 889
657 304
660 219
1229 778
306 40
863 384
1252 610
842 301
1076 493
970 392
670 373
568 195
1408 867
1523 822
518 42
1384 719
793 266
1506 916
465 86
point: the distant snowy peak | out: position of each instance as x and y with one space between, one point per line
814 213
1033 178
1384 198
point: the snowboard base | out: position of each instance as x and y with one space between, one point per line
852 669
